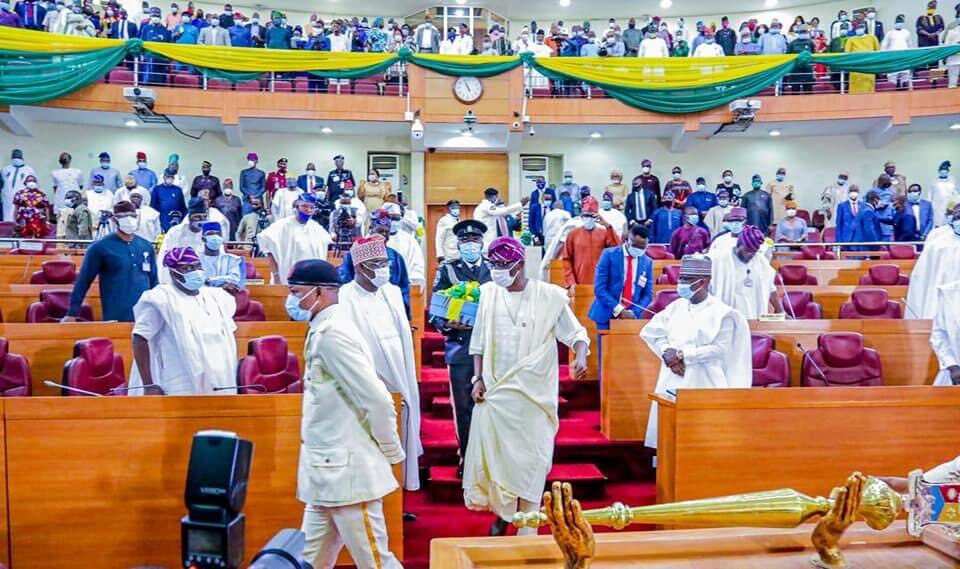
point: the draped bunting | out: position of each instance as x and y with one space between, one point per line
39 66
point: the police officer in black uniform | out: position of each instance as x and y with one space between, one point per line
471 266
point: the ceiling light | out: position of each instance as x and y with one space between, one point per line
775 132
955 126
326 130
771 3
131 123
466 132
596 134
666 4
564 3
461 1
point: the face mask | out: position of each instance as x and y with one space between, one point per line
99 189
757 185
723 202
141 165
898 25
214 242
913 197
302 218
255 21
944 173
791 213
31 185
853 196
470 252
701 187
636 251
193 280
589 223
297 314
502 277
781 177
381 276
710 40
693 219
155 21
734 227
774 31
956 226
607 205
372 178
127 225
105 165
18 162
646 169
455 212
728 179
676 175
568 179
686 290
841 182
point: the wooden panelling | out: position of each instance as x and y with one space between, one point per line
98 482
17 269
463 176
729 441
630 369
725 548
432 93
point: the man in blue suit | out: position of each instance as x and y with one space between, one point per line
623 282
866 227
847 212
537 210
122 28
31 14
922 210
309 181
904 222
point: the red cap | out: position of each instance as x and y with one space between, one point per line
589 205
141 155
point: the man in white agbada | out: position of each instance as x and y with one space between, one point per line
943 192
744 280
183 334
284 201
494 216
554 245
445 241
716 216
703 342
945 334
148 218
406 245
612 217
939 264
13 178
293 239
124 192
187 233
516 385
377 310
349 430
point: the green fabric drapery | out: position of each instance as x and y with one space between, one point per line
886 61
463 65
29 78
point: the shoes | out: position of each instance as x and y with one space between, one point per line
408 517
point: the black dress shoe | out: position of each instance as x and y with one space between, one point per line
408 517
498 528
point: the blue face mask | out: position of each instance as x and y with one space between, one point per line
193 280
455 212
944 173
214 242
303 217
297 314
636 251
470 252
589 223
105 165
606 205
99 189
734 227
17 162
780 177
686 290
913 197
693 219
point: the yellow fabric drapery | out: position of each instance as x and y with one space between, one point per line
18 39
663 73
252 60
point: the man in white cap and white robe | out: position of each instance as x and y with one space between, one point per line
938 265
405 243
702 342
744 280
293 239
377 309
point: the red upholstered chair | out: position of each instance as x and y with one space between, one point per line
187 80
841 360
250 269
53 306
871 304
800 305
15 377
659 252
121 76
95 367
8 228
794 275
884 275
660 301
905 252
670 275
55 273
770 368
804 215
829 235
269 363
250 85
248 310
816 253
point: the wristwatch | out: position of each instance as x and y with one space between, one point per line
475 379
680 354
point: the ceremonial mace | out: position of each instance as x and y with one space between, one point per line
863 497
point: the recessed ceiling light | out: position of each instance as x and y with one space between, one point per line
564 3
955 126
666 4
775 132
596 134
131 123
326 130
771 3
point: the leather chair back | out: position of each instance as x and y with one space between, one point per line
841 360
794 275
53 306
57 272
816 253
660 301
770 368
800 305
15 378
269 364
670 275
659 252
904 252
248 310
884 275
95 367
871 304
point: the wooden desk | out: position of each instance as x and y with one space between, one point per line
630 369
714 442
48 346
98 482
726 548
17 269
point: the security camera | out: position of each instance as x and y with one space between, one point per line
416 129
469 118
531 131
515 125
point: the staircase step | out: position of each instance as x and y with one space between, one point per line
588 481
441 408
437 359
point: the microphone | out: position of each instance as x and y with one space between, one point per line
647 310
812 361
255 386
50 383
786 296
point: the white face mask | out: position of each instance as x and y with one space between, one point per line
791 213
646 169
372 178
676 175
31 185
728 179
228 191
381 276
311 172
502 277
841 182
127 225
251 163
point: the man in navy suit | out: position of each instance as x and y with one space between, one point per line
866 227
847 212
904 223
309 181
31 14
123 29
922 210
623 283
640 203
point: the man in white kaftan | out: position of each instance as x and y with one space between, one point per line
284 201
703 342
939 264
554 245
293 239
148 218
184 339
516 383
494 216
945 334
943 194
376 308
406 245
744 280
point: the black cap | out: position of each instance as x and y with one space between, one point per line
491 192
469 228
453 202
313 272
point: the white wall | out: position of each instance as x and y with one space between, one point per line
812 163
84 143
